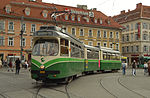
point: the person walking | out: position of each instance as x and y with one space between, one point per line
26 64
145 68
10 66
134 68
123 68
18 62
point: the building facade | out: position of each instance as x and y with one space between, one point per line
90 26
136 35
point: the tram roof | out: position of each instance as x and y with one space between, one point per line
46 31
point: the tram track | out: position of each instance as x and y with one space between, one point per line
129 89
106 88
123 86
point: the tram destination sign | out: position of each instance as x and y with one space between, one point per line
48 33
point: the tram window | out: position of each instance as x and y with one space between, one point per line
64 47
47 47
91 54
75 50
104 56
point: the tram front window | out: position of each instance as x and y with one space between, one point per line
45 48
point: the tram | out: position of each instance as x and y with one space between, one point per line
58 56
143 59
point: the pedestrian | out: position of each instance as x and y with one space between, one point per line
10 66
134 68
124 68
18 62
26 64
145 68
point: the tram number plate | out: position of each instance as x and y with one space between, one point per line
42 72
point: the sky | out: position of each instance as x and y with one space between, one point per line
108 7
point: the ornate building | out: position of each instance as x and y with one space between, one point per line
90 26
136 35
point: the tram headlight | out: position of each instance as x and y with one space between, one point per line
42 67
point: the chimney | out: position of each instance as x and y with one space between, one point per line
122 12
139 5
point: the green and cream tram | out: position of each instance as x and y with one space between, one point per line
57 56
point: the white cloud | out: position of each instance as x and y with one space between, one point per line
108 7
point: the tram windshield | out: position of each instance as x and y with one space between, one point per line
45 48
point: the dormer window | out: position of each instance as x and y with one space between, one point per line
66 17
44 13
95 20
108 21
27 11
73 18
8 8
101 21
79 18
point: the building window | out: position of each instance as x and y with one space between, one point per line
11 26
132 49
122 49
23 27
122 38
81 32
127 37
127 28
132 37
136 36
33 27
145 49
145 36
98 33
131 27
23 42
27 11
90 43
136 48
2 25
105 34
105 44
127 48
111 45
44 13
101 21
90 33
136 26
95 20
117 47
73 18
145 26
117 35
66 17
10 41
111 35
8 9
79 18
2 41
73 31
